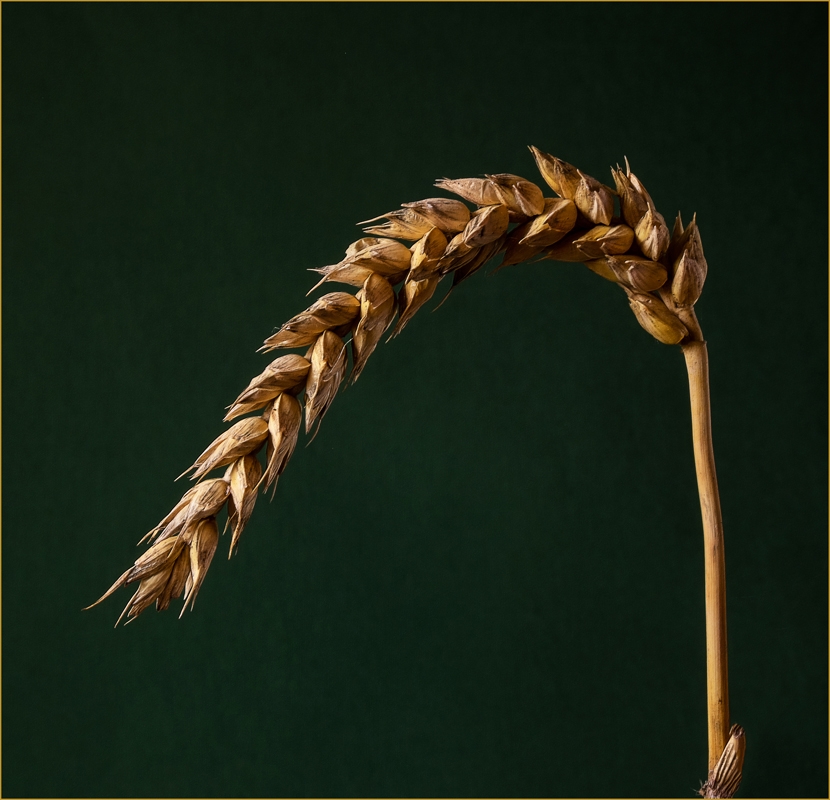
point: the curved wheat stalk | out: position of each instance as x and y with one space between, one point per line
616 233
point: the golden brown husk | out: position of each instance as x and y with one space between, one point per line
283 428
243 476
328 368
656 318
377 310
286 373
690 267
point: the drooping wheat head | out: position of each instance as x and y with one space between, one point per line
617 233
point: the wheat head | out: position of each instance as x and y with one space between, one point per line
617 233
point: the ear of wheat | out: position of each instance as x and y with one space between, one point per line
616 233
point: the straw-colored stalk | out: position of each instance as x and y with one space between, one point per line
617 233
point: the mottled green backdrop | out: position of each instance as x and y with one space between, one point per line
485 576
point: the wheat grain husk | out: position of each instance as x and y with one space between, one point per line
149 591
481 191
594 199
601 267
284 374
676 240
472 265
446 214
655 318
561 176
426 255
241 438
637 272
283 429
457 249
176 581
328 368
525 241
243 476
377 310
412 297
557 219
203 500
689 267
367 256
652 234
155 560
485 226
603 240
363 244
403 223
204 538
632 202
566 250
521 197
330 311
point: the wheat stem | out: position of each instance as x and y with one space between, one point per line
717 678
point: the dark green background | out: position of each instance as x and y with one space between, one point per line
485 575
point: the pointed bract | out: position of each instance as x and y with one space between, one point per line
245 436
411 297
366 256
690 268
448 215
594 199
176 581
403 223
157 559
286 373
456 248
243 476
480 191
384 256
426 255
526 241
479 258
205 499
633 204
557 219
149 591
566 250
652 234
677 240
203 543
283 429
328 368
637 272
521 197
330 311
655 318
561 176
377 310
603 240
362 245
486 226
